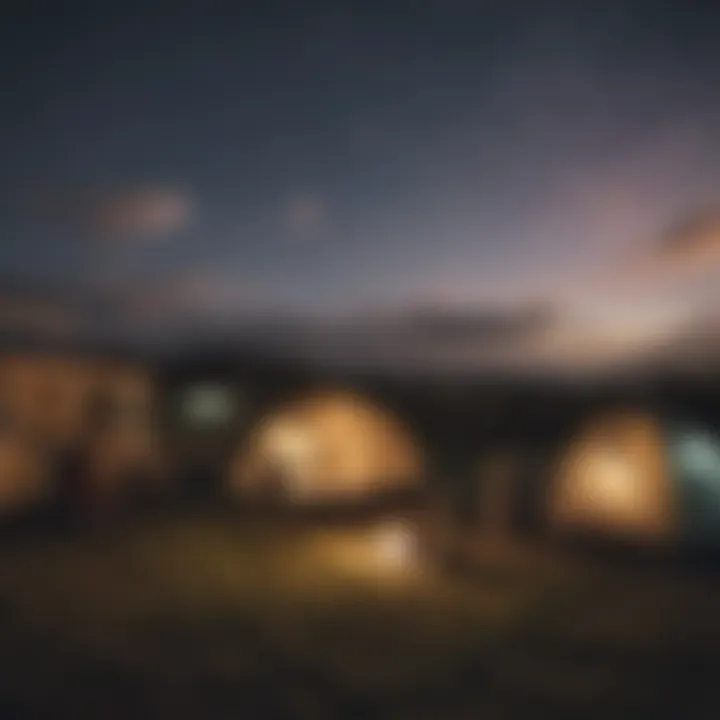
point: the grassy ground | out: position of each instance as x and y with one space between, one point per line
200 617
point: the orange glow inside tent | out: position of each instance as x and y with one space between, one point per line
615 480
330 446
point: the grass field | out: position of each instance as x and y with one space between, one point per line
210 617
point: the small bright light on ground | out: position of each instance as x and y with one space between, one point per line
388 549
395 545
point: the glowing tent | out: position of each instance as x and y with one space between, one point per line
126 447
328 447
46 395
24 473
634 478
47 402
49 395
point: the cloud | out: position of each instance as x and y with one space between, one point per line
694 242
695 345
622 313
679 262
492 325
130 214
525 338
304 214
195 295
142 213
437 337
688 252
591 343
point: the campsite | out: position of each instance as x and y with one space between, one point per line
312 566
199 615
360 360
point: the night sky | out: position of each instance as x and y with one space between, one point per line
177 170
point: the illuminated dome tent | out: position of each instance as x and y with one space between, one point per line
46 399
634 478
41 398
330 447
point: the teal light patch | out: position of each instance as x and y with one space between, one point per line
694 456
209 405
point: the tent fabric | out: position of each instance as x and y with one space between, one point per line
694 457
636 477
327 447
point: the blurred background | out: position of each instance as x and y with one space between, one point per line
360 359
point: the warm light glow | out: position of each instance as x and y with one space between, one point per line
293 450
23 477
47 399
612 482
615 480
388 550
329 447
396 545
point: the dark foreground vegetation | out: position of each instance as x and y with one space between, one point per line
210 617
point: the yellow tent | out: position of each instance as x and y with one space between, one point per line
331 446
615 480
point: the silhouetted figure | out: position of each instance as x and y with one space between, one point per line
69 475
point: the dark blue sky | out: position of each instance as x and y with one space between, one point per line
352 156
